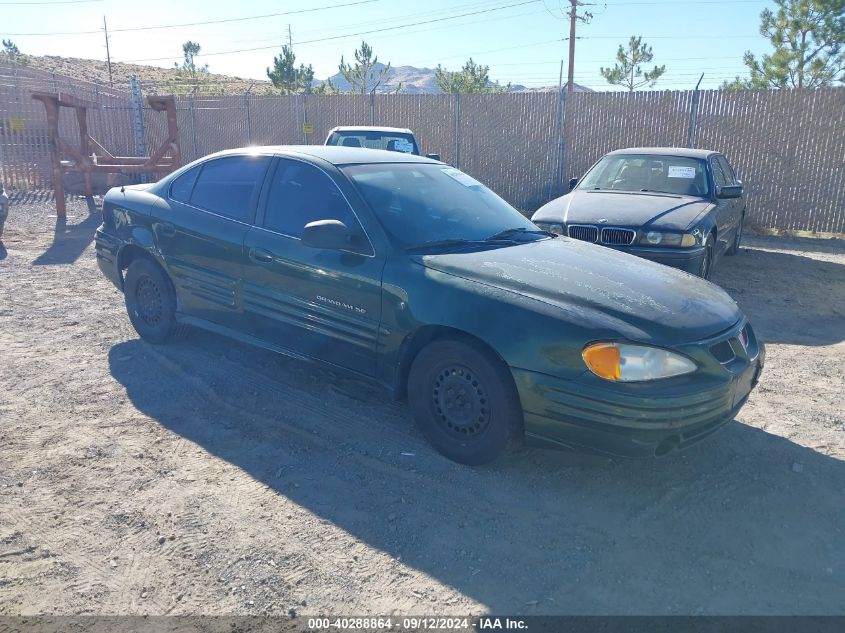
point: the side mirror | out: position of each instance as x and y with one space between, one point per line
729 191
331 235
433 156
572 183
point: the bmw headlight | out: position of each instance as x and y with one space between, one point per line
553 227
627 362
662 238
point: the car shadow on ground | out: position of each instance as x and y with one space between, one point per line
746 522
788 298
71 240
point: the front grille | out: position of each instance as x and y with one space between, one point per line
735 347
617 237
723 352
583 232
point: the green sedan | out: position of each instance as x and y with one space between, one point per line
414 275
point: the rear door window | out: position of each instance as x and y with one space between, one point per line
229 186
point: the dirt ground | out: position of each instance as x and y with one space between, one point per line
208 477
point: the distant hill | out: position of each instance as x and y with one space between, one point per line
415 80
412 80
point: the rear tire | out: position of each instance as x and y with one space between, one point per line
150 301
464 401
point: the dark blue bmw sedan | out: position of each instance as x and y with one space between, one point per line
680 207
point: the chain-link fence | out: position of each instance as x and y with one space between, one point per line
788 146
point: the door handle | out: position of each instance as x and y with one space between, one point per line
260 255
167 229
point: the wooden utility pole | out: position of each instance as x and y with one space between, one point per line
573 16
108 54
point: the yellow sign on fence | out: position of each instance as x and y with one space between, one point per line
308 128
17 124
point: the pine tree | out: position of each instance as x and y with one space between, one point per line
808 37
628 70
364 76
472 78
287 77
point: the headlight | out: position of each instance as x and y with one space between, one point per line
659 238
630 363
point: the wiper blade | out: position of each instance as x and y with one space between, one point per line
444 244
671 193
511 233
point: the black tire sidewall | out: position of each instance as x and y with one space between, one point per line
709 247
139 270
503 401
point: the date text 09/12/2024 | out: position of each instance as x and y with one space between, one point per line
416 624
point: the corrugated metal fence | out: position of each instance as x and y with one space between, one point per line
787 146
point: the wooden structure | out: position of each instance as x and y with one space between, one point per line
89 156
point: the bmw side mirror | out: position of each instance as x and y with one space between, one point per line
433 156
331 235
729 191
572 183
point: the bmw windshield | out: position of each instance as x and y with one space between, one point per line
432 205
678 175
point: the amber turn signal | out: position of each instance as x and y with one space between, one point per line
603 360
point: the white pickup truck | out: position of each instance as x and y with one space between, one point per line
393 139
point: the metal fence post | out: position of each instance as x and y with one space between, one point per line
248 122
138 120
372 108
457 137
693 115
562 142
194 124
304 119
555 158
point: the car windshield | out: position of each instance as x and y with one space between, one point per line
374 139
678 175
420 204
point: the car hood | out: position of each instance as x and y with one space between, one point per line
600 288
618 208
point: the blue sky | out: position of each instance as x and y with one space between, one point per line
521 43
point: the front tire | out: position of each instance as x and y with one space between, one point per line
706 268
464 401
150 301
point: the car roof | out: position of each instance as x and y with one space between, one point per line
370 128
334 154
666 151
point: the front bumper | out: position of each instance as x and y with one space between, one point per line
639 419
686 259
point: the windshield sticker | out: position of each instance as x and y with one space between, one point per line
403 146
681 172
461 177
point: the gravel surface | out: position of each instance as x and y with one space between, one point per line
208 477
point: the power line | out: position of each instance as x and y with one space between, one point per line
221 21
49 2
338 37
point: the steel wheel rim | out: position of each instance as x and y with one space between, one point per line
460 401
148 301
